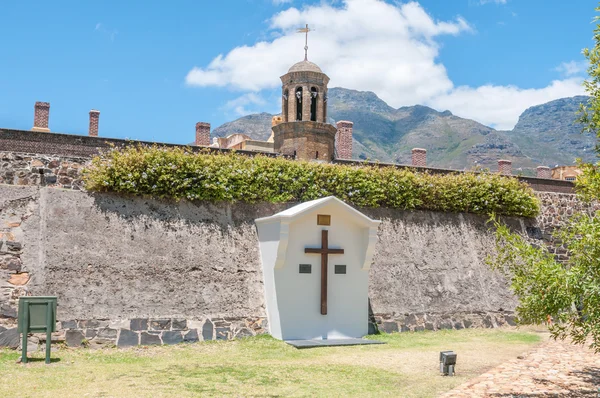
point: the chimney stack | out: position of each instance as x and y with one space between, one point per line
544 172
343 139
202 134
419 157
40 117
94 118
505 167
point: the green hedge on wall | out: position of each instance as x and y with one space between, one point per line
181 174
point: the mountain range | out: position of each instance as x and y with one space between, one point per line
545 134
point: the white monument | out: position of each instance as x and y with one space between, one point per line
315 259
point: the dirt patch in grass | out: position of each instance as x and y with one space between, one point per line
406 366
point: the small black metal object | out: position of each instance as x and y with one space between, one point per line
447 362
305 268
340 269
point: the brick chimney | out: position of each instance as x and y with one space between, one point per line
202 134
543 172
505 167
94 119
40 117
343 139
419 157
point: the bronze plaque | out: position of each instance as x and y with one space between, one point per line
323 219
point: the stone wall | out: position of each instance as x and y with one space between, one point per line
42 170
429 272
125 268
58 144
128 268
136 270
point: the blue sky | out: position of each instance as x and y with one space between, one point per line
153 68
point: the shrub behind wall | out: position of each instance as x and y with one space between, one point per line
180 174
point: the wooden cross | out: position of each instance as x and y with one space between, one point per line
324 251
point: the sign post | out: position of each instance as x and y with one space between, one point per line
36 315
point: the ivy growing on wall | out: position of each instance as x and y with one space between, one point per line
179 173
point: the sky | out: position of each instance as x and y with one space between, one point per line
155 68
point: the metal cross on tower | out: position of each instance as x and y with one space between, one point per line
305 30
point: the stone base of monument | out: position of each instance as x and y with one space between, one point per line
331 342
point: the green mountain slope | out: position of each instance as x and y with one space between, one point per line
549 134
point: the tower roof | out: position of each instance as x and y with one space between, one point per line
305 66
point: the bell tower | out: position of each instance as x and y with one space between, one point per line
304 132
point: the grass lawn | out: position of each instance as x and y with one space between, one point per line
407 366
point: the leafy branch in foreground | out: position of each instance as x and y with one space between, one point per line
569 292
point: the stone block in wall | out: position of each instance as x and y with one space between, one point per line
149 339
68 324
223 333
55 338
9 338
191 336
172 337
91 333
139 324
489 322
160 324
10 262
19 279
119 324
445 324
107 333
33 343
74 338
127 338
390 327
410 320
207 330
98 343
179 324
510 320
243 332
373 328
7 311
93 323
13 246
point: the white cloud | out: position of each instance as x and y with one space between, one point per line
390 49
572 68
500 106
240 104
482 2
280 2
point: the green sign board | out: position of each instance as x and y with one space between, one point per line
37 315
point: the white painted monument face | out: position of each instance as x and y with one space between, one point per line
296 245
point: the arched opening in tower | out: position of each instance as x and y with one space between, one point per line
313 103
299 104
285 105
